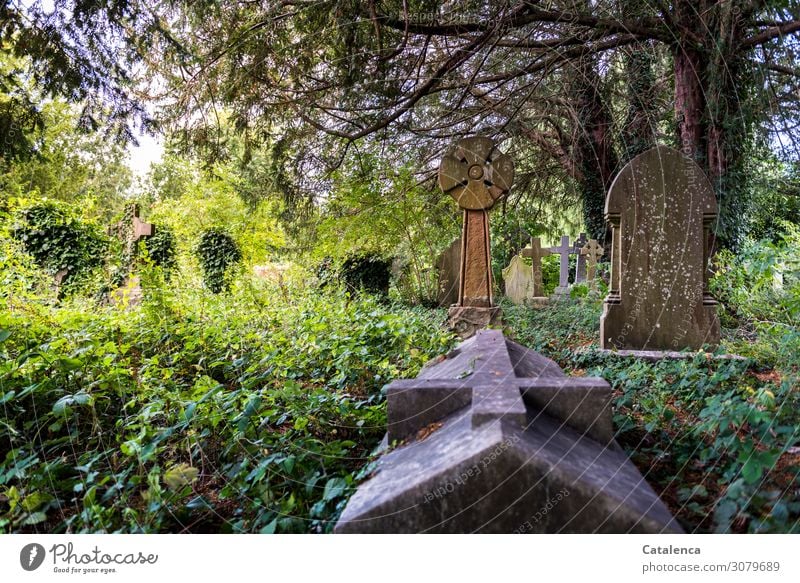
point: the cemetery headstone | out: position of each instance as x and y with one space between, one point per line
536 253
448 265
591 253
660 208
580 263
495 438
564 250
518 280
131 230
476 175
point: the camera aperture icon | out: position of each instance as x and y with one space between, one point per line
31 556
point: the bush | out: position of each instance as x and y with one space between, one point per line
161 249
61 242
217 252
367 272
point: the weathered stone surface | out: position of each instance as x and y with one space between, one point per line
656 355
520 447
580 263
536 253
476 267
591 253
660 208
466 320
476 175
518 279
564 251
448 266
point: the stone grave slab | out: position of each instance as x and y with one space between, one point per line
489 436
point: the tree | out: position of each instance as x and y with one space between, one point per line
372 72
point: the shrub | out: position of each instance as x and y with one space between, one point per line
60 242
367 272
161 249
217 252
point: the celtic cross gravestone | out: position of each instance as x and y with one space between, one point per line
476 174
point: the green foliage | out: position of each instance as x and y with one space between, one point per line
377 209
217 252
760 292
368 273
59 241
161 248
246 412
713 436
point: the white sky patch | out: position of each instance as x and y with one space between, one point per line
149 150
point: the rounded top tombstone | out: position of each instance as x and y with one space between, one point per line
476 174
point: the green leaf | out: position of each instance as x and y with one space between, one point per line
4 334
180 475
334 488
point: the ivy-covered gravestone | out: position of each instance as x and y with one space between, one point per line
217 251
130 230
61 243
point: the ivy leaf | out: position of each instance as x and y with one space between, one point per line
180 475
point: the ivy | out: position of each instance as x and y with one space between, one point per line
60 242
217 251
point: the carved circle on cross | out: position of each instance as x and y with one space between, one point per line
476 174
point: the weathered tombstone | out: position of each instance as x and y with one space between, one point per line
591 252
518 279
660 208
536 253
564 250
448 266
580 263
131 229
495 438
476 175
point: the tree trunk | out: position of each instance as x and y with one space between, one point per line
594 152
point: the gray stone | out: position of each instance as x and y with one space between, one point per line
656 355
448 265
518 280
660 208
497 439
564 250
580 263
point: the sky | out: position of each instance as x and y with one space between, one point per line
148 151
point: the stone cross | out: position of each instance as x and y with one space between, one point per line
130 292
536 253
580 264
476 175
591 252
661 208
564 250
140 228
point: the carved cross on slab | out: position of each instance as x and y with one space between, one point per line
483 377
536 252
592 251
